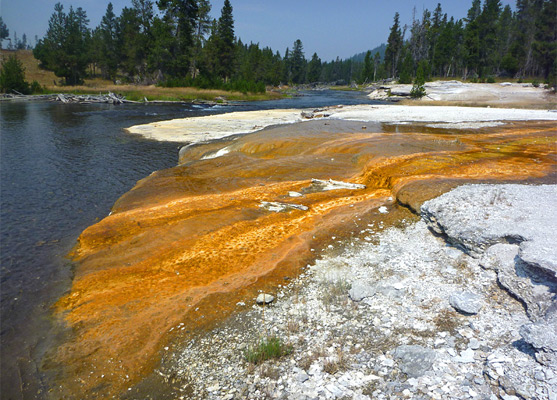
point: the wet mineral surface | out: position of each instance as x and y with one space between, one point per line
187 243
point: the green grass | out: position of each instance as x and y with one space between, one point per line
269 347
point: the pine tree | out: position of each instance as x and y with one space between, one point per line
472 39
545 40
12 76
109 32
203 27
367 72
181 17
418 90
225 42
286 69
4 31
64 48
394 47
407 67
298 63
314 69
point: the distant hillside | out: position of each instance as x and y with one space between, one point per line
361 56
31 65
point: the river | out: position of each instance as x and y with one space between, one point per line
62 167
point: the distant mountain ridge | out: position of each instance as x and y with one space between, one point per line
361 56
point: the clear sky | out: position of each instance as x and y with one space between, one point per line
330 28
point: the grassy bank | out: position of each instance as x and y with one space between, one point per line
153 93
50 82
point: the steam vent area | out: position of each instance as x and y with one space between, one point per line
257 202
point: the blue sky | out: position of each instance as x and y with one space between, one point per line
330 28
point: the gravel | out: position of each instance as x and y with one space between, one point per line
375 321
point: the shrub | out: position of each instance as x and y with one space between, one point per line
418 90
12 76
270 347
36 88
490 79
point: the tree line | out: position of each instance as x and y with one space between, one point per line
491 41
178 43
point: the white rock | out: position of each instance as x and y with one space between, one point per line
264 299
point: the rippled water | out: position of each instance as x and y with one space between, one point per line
62 167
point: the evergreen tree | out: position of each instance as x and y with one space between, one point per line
314 69
472 39
130 42
12 76
488 36
109 33
407 67
225 42
203 27
504 35
394 47
286 67
162 50
298 63
418 90
4 31
367 72
64 48
181 17
545 40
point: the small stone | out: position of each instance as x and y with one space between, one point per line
474 344
415 360
383 210
295 194
467 356
361 290
264 299
466 302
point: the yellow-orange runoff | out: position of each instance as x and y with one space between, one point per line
197 231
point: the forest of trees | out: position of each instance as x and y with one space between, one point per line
178 43
491 41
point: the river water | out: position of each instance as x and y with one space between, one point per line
62 167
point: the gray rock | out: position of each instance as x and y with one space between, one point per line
535 292
466 302
264 299
414 360
542 335
360 290
478 216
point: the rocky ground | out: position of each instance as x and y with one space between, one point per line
460 304
505 94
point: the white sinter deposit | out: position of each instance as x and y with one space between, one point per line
465 92
202 129
404 313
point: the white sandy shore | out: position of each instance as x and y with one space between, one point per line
201 129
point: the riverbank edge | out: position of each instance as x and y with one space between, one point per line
202 129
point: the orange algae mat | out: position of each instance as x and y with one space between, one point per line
199 230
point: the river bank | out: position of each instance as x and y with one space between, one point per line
457 93
202 129
187 244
